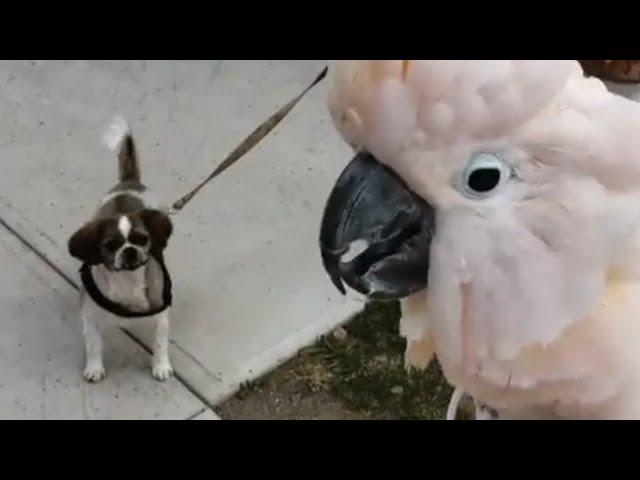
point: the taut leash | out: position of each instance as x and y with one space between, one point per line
247 144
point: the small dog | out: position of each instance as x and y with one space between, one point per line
124 278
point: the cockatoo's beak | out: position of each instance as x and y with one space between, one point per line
376 233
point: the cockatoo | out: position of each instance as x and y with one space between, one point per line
500 202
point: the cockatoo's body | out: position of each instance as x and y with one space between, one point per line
533 298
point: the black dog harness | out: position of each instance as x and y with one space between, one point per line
117 309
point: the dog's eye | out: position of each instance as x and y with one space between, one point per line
113 244
139 238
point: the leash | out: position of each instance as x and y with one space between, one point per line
247 144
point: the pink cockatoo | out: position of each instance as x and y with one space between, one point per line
500 202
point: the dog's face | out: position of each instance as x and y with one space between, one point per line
123 242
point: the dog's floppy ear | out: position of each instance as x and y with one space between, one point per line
159 227
85 243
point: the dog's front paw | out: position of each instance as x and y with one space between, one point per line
94 373
162 370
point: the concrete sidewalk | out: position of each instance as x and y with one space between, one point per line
249 286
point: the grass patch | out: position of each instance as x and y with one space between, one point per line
356 372
366 369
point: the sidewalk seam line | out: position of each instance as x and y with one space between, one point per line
199 412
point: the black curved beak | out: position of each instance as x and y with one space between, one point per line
372 210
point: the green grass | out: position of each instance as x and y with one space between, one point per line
360 371
366 370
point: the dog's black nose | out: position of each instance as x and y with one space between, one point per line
130 255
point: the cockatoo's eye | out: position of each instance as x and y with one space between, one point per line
484 174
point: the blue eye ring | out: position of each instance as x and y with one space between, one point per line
485 173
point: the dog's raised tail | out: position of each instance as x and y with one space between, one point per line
119 139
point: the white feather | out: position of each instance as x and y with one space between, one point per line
117 131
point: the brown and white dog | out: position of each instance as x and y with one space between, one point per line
124 278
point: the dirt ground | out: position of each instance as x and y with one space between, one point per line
355 373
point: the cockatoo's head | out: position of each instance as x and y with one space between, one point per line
508 189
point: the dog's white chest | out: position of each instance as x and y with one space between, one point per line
126 288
